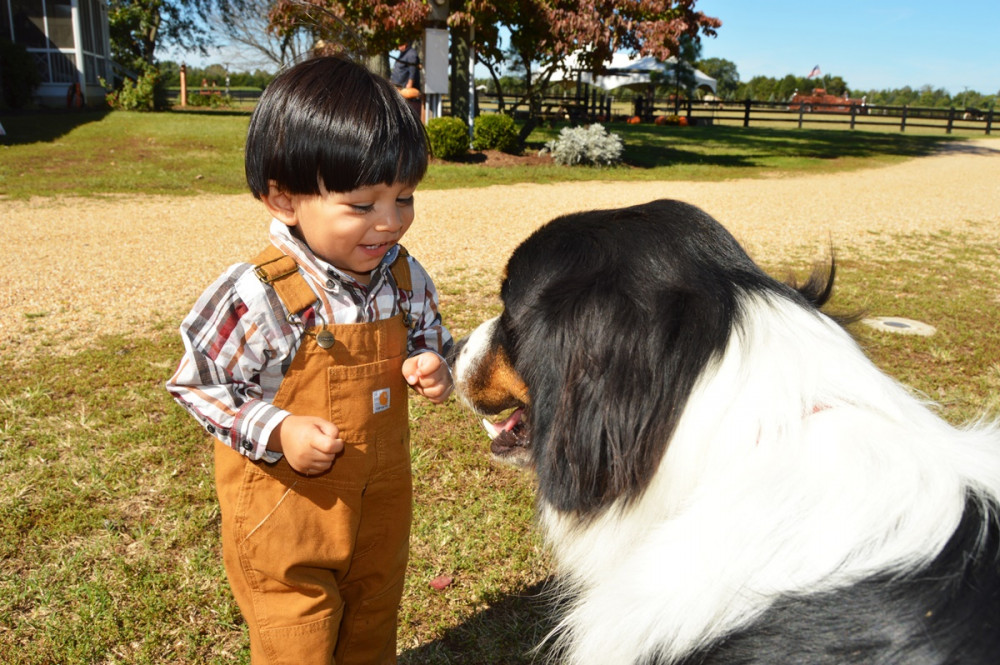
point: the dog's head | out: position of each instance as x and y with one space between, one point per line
609 319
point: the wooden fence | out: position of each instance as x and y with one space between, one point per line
602 108
749 113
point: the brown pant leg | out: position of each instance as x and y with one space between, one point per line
288 542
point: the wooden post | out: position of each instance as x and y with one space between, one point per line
854 113
989 120
951 119
902 122
746 112
184 86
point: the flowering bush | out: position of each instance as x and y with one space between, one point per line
586 145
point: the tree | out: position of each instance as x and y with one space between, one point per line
542 32
682 71
251 29
359 27
137 27
727 78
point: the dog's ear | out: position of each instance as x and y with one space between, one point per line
617 372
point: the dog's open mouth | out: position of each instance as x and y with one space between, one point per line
509 439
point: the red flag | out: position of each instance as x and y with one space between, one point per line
815 72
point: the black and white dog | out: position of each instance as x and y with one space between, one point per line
723 476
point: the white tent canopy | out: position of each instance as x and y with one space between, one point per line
624 70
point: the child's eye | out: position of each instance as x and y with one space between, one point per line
405 201
363 207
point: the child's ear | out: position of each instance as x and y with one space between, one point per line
280 204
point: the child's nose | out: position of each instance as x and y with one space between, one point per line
391 221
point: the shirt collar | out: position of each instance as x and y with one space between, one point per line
281 237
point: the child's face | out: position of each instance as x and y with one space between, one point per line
352 230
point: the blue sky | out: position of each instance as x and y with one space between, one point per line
873 44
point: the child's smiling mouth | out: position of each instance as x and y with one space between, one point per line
377 249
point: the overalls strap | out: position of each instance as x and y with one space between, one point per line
282 273
400 270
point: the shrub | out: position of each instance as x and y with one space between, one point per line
449 137
213 100
495 132
19 75
146 93
586 145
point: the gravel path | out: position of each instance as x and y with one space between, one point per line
77 268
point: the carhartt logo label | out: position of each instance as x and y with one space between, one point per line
380 400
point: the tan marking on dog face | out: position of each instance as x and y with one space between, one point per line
496 386
484 375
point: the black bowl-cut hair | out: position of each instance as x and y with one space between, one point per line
331 120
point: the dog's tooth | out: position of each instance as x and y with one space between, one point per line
491 429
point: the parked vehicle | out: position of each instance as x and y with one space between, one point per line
822 101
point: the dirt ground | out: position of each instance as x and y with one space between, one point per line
76 268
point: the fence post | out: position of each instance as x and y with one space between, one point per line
746 112
854 114
951 119
902 122
989 120
801 112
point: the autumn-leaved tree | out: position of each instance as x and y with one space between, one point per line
541 32
365 28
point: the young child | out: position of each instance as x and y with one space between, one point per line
298 363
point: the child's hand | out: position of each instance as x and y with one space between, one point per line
429 376
309 444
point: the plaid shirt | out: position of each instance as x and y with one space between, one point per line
239 339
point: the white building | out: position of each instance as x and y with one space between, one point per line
68 40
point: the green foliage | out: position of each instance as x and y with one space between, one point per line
211 99
495 131
19 75
146 93
727 78
591 145
449 137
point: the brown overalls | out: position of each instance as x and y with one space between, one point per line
316 563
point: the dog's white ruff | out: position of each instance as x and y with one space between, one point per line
797 467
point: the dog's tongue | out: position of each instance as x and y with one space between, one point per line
496 429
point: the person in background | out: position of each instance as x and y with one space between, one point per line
406 76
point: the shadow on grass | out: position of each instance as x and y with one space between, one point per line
210 112
506 633
650 147
25 127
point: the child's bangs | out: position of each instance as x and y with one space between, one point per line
382 143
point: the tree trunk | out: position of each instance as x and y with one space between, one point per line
458 87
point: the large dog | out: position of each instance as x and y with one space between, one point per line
723 476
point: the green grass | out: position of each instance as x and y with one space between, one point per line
110 525
183 153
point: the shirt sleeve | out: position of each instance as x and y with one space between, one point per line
226 350
427 333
